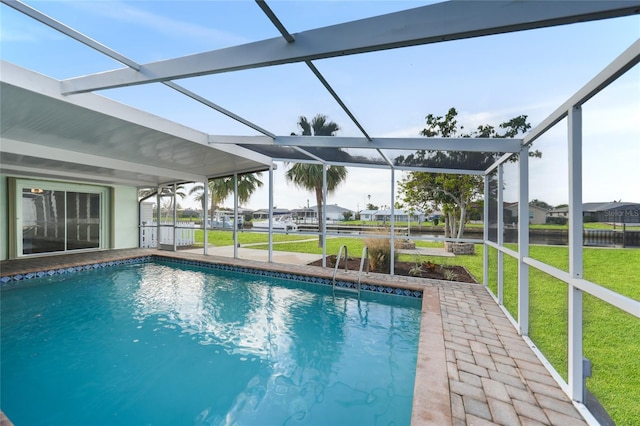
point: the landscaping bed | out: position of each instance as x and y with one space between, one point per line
411 269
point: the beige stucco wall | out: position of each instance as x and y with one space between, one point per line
124 214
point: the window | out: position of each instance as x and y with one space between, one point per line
54 217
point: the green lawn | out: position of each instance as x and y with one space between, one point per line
225 238
611 337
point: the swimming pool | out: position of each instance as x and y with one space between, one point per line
153 343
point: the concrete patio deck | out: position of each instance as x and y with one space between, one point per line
473 368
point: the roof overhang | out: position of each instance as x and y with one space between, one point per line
92 138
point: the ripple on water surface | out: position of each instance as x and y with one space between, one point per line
154 344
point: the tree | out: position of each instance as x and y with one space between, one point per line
167 204
448 192
541 204
221 188
372 207
309 176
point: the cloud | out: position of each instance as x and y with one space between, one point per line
30 32
124 12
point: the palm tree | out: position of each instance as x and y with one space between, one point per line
167 191
221 188
309 176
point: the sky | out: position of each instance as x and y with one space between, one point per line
489 80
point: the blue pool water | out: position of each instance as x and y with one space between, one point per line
156 344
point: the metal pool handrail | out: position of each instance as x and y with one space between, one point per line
365 253
335 269
363 259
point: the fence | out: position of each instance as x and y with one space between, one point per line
184 235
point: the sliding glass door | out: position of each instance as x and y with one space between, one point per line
54 217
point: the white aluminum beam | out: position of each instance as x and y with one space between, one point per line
337 98
523 242
240 172
575 330
505 250
70 32
270 240
205 189
422 25
323 211
618 300
217 107
290 39
623 63
485 232
78 36
445 171
429 144
235 215
510 145
500 233
392 266
239 140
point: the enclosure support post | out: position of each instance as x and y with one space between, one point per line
393 222
575 378
523 241
500 234
175 217
485 252
270 255
235 215
205 189
158 216
324 216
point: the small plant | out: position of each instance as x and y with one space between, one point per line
415 271
430 266
380 254
450 275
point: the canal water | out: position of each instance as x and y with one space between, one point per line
591 237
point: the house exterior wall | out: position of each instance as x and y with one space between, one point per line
4 223
124 217
537 215
122 227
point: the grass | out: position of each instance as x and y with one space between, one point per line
611 337
225 238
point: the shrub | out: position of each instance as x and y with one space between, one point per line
416 270
557 220
450 275
380 254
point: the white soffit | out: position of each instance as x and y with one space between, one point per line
87 127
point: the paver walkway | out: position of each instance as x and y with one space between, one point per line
473 368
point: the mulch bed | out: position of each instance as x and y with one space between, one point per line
427 269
